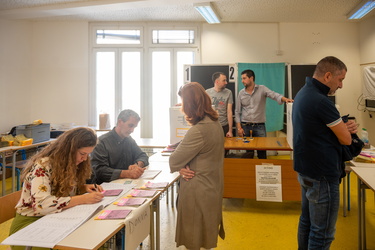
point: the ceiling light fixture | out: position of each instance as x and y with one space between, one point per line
362 9
207 11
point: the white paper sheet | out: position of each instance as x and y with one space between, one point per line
268 183
137 226
52 228
149 174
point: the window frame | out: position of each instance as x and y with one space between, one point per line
95 27
146 47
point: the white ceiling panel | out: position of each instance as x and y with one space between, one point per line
179 10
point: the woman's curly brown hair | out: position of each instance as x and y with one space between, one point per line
62 158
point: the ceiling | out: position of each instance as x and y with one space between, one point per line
179 10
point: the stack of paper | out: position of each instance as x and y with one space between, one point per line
367 156
113 214
142 193
156 185
149 174
170 148
131 201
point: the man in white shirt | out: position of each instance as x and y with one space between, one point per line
250 110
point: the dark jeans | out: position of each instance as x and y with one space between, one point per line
225 130
259 130
320 206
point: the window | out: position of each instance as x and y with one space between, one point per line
173 36
129 73
118 36
164 93
105 83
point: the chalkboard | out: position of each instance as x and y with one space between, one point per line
298 78
203 75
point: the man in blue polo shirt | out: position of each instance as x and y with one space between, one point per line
318 136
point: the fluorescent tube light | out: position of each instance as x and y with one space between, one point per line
362 9
207 11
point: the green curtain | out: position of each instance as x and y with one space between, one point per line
271 75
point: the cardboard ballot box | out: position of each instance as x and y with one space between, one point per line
178 125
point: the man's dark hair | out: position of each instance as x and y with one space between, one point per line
249 73
329 64
216 75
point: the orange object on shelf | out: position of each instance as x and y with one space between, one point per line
27 142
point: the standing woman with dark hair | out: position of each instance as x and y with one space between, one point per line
199 159
55 178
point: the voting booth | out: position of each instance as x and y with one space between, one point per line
203 74
289 124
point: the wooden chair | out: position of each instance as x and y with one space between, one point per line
7 204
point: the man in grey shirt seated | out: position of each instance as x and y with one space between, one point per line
117 155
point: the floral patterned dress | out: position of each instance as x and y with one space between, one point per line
36 198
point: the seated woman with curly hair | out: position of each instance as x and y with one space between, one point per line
55 178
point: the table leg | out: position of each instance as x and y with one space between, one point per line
123 238
3 168
348 192
152 227
157 224
344 200
172 194
14 171
167 195
361 215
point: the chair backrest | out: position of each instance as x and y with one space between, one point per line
7 204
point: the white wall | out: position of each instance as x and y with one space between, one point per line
15 73
60 72
48 61
367 55
308 43
239 42
43 72
300 43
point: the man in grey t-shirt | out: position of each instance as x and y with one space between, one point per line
222 99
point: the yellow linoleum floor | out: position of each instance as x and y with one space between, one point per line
264 225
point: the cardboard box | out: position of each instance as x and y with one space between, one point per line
38 133
178 125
